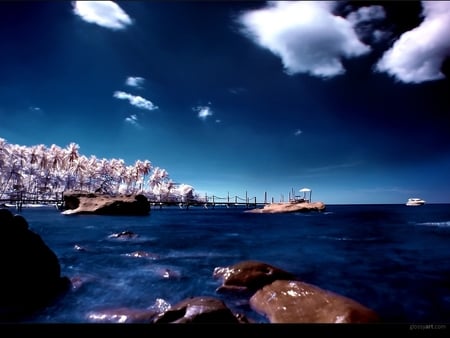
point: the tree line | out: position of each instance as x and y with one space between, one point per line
42 172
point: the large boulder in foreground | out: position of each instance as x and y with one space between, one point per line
102 204
289 207
30 271
298 302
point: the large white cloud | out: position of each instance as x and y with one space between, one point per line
103 13
417 56
137 101
305 35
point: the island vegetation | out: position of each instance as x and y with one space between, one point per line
41 173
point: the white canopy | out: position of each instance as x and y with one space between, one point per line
305 191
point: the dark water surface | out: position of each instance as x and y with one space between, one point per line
393 259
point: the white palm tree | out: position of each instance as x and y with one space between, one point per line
56 166
70 156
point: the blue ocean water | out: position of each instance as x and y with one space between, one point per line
393 259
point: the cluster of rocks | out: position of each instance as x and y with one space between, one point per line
273 293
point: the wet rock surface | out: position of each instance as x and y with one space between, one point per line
248 275
299 302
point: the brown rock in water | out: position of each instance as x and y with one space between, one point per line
30 271
298 302
289 207
199 310
102 204
249 275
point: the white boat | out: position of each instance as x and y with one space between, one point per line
414 202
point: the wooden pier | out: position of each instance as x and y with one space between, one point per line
158 202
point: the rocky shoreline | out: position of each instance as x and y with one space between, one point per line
32 281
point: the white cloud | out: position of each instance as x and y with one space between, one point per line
203 112
333 167
134 81
297 132
237 90
103 13
133 120
137 101
418 54
305 35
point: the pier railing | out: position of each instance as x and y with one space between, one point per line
20 199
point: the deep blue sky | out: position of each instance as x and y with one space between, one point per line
350 100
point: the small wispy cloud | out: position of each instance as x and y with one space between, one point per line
133 120
137 101
134 81
107 14
236 90
334 167
297 132
203 112
37 111
417 56
381 190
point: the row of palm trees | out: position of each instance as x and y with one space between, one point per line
41 173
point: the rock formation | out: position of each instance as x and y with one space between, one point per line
101 204
31 274
289 207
